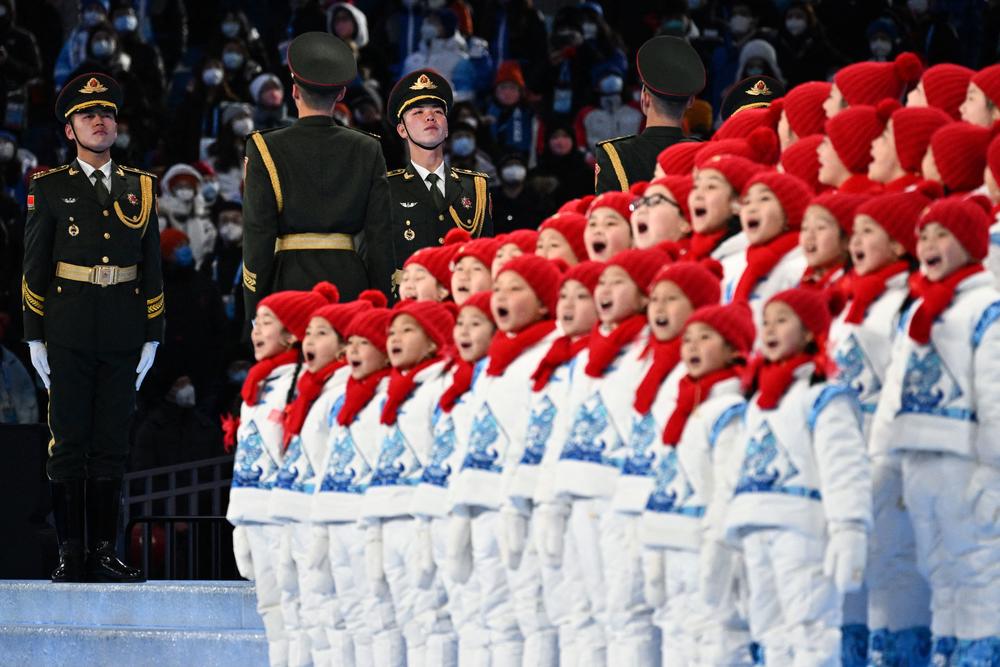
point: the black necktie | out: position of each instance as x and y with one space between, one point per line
103 196
436 195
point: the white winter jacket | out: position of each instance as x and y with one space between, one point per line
787 273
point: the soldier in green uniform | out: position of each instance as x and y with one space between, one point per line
672 74
427 199
92 297
315 201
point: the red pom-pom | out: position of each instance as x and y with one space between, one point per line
374 297
560 264
765 145
328 291
886 108
456 235
230 425
451 307
908 67
778 105
982 202
638 188
713 266
930 189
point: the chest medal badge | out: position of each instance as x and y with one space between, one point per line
73 230
409 234
132 199
466 202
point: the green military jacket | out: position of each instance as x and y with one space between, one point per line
66 223
416 222
307 182
623 161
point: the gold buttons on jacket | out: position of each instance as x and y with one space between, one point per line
59 289
107 235
441 217
105 259
105 212
440 240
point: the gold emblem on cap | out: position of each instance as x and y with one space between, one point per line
93 86
423 83
759 88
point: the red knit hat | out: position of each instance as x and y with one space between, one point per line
640 265
912 128
897 213
993 157
339 315
680 188
370 323
842 206
481 302
852 132
967 218
988 80
586 273
619 201
761 145
436 319
679 158
578 205
743 123
541 274
570 226
801 159
294 308
438 259
638 188
812 308
482 249
700 281
803 106
736 170
945 86
525 239
792 192
171 239
960 154
869 82
509 70
734 322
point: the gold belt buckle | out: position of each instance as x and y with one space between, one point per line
104 275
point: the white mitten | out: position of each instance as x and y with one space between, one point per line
551 518
374 567
146 358
984 496
319 546
40 360
654 582
459 548
513 536
286 572
717 571
846 553
425 553
241 550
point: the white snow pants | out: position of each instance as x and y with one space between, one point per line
506 643
264 541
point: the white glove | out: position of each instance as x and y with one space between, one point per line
425 553
551 519
718 571
984 497
374 567
654 583
241 550
319 547
145 361
846 553
513 536
40 360
459 548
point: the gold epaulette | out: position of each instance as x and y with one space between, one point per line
611 141
49 171
138 171
396 172
469 172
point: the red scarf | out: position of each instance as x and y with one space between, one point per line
460 383
259 372
504 348
401 385
774 378
604 349
702 245
863 290
666 355
563 349
812 279
902 183
761 259
935 297
359 394
691 393
309 388
860 184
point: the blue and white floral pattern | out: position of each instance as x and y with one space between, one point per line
482 454
586 440
389 468
539 430
857 372
296 473
929 387
438 470
767 468
340 475
638 458
673 488
252 462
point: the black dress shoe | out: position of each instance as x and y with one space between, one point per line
69 514
103 507
103 566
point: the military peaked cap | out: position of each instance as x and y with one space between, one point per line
422 86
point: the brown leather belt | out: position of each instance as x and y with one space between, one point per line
102 275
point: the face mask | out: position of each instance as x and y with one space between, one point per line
126 23
610 85
102 48
231 232
880 47
471 121
232 59
210 190
90 19
463 146
185 396
121 141
183 256
212 76
589 30
513 173
796 26
184 194
230 28
6 151
917 6
242 127
739 24
428 31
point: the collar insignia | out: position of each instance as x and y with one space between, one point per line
93 86
423 83
759 88
73 172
